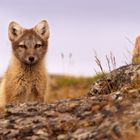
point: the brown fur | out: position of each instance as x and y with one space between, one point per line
136 51
25 81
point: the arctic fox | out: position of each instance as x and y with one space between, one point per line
26 77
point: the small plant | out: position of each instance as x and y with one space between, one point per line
111 62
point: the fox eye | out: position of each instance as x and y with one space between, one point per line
22 46
38 45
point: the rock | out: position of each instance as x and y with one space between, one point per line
117 80
103 114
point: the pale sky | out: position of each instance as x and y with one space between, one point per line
79 27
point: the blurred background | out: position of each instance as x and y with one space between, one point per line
79 28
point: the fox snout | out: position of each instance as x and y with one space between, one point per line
31 60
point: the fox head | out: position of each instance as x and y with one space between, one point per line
29 45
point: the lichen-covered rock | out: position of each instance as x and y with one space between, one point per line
118 80
100 118
102 115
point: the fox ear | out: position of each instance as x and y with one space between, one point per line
15 31
42 29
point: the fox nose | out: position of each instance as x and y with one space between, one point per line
31 59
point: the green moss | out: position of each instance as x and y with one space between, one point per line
136 60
